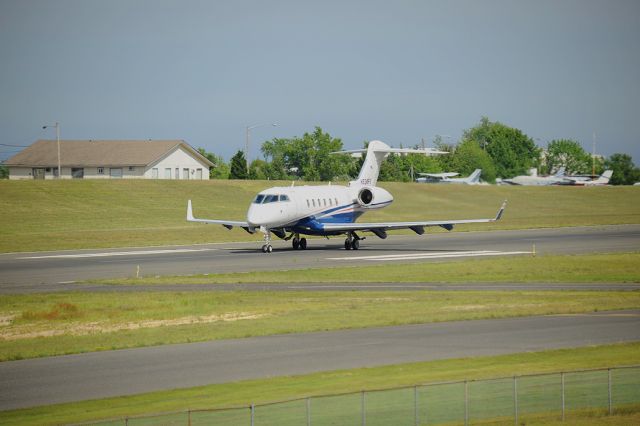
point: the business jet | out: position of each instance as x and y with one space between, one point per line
534 180
331 210
601 180
448 177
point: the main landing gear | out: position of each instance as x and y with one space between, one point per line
352 242
299 243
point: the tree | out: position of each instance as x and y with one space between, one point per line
238 166
220 169
310 154
512 151
624 171
4 172
469 156
566 153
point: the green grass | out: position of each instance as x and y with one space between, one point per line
590 268
286 388
64 323
51 215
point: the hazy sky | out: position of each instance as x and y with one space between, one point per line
395 71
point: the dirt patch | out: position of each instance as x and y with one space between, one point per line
18 333
7 319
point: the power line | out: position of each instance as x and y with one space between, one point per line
16 146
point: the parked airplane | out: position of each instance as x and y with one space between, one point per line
330 210
534 180
448 177
601 180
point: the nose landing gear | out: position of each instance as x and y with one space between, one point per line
266 247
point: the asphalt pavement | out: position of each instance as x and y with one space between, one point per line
44 381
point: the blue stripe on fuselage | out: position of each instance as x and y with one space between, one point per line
315 224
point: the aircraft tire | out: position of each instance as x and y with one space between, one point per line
303 243
347 245
296 243
264 248
269 248
355 244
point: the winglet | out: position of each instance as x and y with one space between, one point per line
501 211
189 212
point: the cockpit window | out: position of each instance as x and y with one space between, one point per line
284 197
258 199
270 199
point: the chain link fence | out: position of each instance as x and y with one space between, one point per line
507 399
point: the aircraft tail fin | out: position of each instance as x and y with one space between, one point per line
376 152
475 176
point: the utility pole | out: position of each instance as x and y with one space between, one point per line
593 157
57 126
246 142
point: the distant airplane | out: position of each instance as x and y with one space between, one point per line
527 180
601 180
330 210
447 177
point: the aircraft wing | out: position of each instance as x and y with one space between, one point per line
378 228
440 175
229 224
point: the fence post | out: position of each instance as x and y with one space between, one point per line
466 403
610 396
253 412
364 411
415 405
562 389
515 399
126 421
308 411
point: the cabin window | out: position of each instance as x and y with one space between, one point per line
284 197
325 202
270 199
319 205
308 203
258 199
313 202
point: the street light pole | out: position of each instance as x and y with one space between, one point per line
246 142
57 126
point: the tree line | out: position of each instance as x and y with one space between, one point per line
497 149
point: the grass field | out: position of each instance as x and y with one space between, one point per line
51 215
591 268
64 323
284 388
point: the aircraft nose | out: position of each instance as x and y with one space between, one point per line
252 215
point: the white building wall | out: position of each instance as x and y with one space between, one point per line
179 159
20 173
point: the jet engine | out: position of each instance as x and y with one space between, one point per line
365 197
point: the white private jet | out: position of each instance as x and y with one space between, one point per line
601 180
448 177
534 180
330 210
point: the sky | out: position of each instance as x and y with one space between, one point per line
396 71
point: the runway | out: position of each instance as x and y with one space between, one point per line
54 271
44 381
